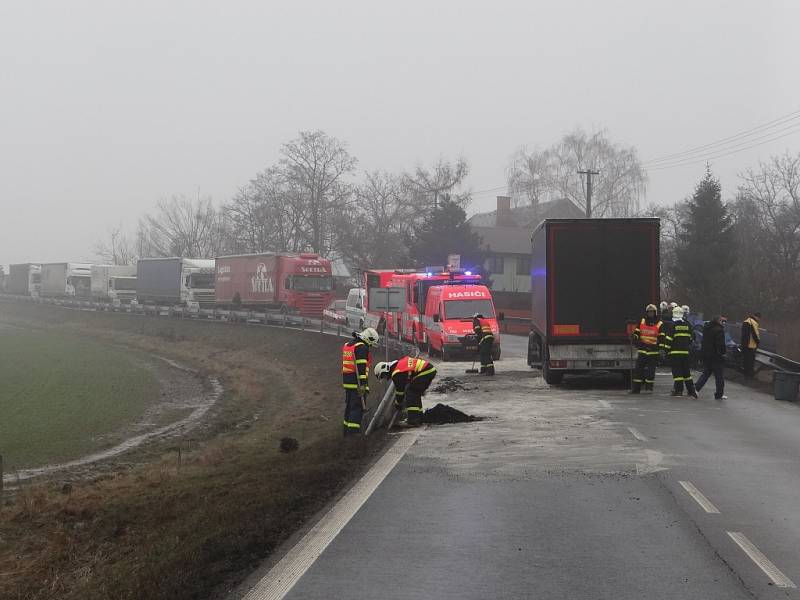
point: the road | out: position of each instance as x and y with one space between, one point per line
572 492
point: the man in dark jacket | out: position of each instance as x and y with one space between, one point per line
712 353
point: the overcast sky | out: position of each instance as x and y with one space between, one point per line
108 106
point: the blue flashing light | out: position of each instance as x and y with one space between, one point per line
428 274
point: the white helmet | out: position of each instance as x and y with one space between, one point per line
663 306
673 305
383 370
677 312
686 310
369 336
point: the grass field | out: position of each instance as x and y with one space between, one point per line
60 393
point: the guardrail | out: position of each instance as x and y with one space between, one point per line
777 362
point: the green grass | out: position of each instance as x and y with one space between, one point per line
59 394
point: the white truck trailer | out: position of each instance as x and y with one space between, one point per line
113 283
175 281
71 280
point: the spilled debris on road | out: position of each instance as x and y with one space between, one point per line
443 414
449 384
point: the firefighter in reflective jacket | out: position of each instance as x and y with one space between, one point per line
483 331
679 343
649 338
411 378
355 378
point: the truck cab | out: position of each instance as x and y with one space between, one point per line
197 282
449 310
122 290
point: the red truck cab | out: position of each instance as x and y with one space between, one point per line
449 310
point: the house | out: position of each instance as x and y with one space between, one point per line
506 238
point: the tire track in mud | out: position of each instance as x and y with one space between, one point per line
199 401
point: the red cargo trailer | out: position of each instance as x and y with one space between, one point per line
293 283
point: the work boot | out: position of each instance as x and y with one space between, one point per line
648 387
676 393
690 390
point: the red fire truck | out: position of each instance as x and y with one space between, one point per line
292 283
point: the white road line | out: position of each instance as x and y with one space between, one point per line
773 572
704 502
637 434
604 403
288 571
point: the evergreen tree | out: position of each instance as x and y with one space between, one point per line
705 252
446 232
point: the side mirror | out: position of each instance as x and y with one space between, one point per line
501 316
435 318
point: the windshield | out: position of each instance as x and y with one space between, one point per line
311 284
124 283
203 281
465 309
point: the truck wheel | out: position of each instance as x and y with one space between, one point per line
550 377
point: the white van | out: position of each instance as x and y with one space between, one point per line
354 309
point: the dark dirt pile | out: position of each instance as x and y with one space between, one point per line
442 414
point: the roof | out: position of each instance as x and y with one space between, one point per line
526 217
505 240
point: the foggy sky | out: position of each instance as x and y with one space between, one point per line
109 106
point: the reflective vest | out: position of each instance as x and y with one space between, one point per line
680 339
414 367
355 364
483 329
752 343
648 334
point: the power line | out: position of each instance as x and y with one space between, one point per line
697 160
725 141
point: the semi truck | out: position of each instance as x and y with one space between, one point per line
292 283
113 283
591 280
24 279
72 280
175 281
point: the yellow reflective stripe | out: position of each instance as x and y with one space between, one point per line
399 393
679 352
413 409
350 386
351 425
431 370
683 335
361 361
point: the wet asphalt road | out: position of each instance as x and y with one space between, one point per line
579 491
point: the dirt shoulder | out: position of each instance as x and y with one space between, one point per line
181 518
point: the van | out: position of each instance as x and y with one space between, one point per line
355 312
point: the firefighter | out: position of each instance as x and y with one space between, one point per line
679 343
649 339
355 378
664 311
411 378
483 331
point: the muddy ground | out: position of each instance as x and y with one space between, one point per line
186 516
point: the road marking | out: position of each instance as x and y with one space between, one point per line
773 572
637 434
654 459
698 496
288 571
604 403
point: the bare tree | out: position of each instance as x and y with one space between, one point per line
118 249
553 173
314 166
183 227
441 181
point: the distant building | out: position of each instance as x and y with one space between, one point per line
506 234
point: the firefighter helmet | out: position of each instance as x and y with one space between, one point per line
477 316
672 305
663 305
383 370
651 307
369 336
677 312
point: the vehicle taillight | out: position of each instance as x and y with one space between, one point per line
558 364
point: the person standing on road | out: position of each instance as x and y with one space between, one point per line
712 353
664 311
679 342
649 339
749 341
483 331
411 377
355 378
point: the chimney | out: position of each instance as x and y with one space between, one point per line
503 217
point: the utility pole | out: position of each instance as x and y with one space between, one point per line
589 173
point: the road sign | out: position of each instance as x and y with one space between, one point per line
389 299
